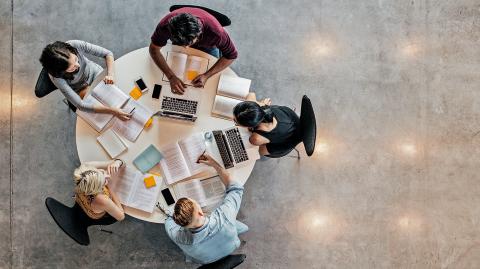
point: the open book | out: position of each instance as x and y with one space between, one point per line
186 67
208 192
128 184
103 94
231 91
131 129
180 159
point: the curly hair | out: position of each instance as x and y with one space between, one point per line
184 28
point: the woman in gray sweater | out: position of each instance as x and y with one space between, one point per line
72 72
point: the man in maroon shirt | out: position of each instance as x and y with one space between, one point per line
196 28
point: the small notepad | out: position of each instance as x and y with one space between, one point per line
148 159
111 143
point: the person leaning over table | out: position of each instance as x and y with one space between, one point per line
72 72
92 193
205 239
275 129
196 28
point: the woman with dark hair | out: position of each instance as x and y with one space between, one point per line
72 72
276 129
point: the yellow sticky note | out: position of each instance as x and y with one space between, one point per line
149 122
149 182
191 74
136 93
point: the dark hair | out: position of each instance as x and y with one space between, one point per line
250 114
184 28
55 59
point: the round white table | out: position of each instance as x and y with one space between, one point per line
162 131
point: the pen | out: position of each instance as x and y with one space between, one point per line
198 160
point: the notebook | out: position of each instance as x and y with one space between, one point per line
131 129
148 159
103 94
111 143
231 91
129 185
180 158
186 67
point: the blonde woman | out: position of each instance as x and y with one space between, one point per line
91 190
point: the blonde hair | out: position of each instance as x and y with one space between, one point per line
183 212
88 180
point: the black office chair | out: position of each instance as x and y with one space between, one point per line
308 125
73 221
229 262
45 86
308 134
222 19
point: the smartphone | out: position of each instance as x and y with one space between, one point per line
141 84
156 91
167 195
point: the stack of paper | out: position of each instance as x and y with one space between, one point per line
111 143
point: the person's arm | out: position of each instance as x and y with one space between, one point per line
112 167
229 54
224 174
176 84
108 205
109 78
221 64
100 52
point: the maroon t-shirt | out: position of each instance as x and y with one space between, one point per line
213 34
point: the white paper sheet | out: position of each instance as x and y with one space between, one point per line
173 164
192 148
97 120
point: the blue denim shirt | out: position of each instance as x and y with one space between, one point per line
218 236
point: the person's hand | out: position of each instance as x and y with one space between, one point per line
122 114
266 102
108 79
114 166
207 159
199 81
177 85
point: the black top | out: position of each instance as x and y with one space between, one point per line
288 126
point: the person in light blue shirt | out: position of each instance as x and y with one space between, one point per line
205 239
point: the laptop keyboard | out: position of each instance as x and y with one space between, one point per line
236 145
179 105
223 149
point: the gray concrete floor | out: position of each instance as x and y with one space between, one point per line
393 184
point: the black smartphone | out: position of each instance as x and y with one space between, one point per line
141 84
156 91
167 195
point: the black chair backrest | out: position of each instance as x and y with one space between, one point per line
44 85
222 19
73 221
68 219
308 126
229 262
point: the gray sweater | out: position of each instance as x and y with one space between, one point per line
86 74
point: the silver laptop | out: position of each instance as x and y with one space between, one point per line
181 107
230 147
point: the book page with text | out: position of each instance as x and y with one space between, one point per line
177 63
110 95
144 198
131 129
214 191
123 182
234 87
97 120
223 106
192 148
191 189
194 67
173 164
